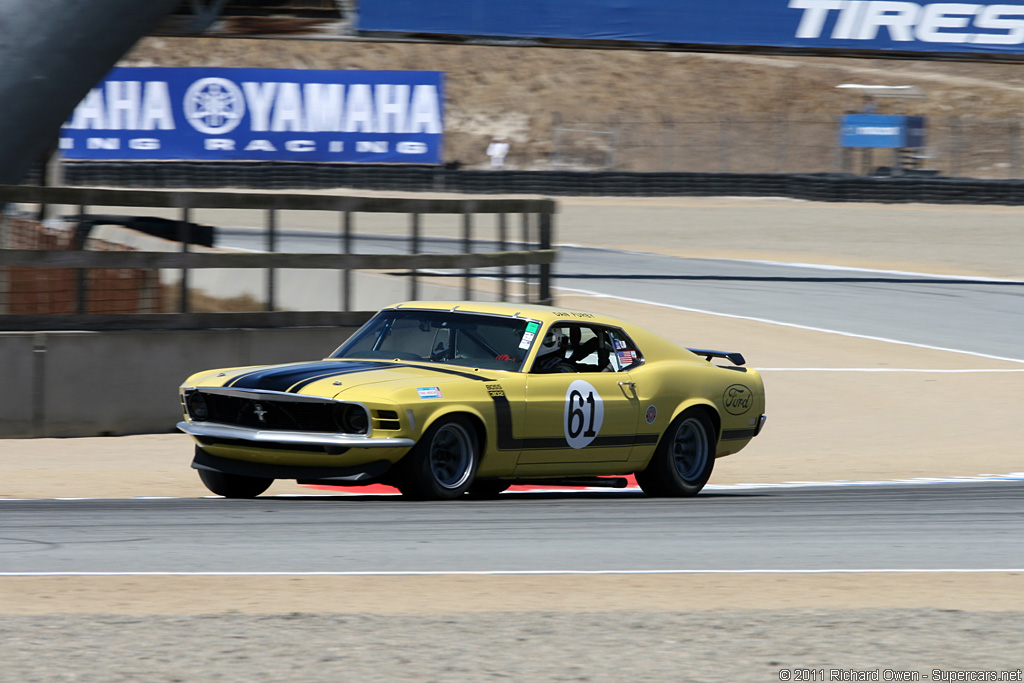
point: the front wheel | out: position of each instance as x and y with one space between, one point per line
442 465
682 463
234 485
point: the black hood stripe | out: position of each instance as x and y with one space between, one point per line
294 378
285 378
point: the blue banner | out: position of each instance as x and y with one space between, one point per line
260 115
815 24
879 130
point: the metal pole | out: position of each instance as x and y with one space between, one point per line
545 268
346 274
271 247
184 236
467 248
502 235
414 248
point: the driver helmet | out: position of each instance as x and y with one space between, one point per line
552 341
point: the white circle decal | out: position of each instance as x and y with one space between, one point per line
584 413
214 106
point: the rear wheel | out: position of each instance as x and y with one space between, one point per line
683 461
443 464
234 485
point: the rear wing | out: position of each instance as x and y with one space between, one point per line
731 356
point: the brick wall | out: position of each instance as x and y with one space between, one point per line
26 291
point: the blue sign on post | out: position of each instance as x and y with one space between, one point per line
260 115
880 130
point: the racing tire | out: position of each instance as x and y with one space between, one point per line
682 463
483 489
234 485
442 465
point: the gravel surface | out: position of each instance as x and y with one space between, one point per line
748 645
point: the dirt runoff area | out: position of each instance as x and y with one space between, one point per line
879 425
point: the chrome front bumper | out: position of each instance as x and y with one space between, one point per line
221 431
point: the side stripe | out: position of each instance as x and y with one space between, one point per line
508 442
734 434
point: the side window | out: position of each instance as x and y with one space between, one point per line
626 354
575 347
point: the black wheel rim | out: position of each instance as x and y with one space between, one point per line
451 456
690 451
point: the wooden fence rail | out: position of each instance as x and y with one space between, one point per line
533 261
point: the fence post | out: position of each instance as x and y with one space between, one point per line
414 248
271 247
185 236
467 248
82 275
526 267
544 295
502 234
346 274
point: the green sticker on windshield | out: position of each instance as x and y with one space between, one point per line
532 327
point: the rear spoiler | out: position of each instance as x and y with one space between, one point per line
732 356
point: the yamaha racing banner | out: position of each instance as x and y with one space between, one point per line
260 115
838 24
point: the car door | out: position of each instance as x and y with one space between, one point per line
587 414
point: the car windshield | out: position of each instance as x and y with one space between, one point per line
469 339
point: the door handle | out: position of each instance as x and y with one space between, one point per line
627 384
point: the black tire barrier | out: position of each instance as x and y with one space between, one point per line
925 187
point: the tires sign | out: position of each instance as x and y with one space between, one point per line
584 414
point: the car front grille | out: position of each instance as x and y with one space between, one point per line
260 413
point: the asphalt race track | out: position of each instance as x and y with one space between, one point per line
881 528
917 308
893 527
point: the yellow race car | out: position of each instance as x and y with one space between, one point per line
442 399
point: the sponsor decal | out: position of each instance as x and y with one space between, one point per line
737 399
910 22
527 340
532 327
429 392
260 114
651 415
571 314
584 414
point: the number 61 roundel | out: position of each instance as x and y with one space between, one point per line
584 413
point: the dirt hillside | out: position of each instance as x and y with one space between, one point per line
516 91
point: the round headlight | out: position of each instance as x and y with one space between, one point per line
351 419
197 407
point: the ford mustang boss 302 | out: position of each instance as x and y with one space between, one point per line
442 399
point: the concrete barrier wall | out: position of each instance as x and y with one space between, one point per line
126 382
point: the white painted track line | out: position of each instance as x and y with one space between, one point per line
539 572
